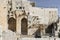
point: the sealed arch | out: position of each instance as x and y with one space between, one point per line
12 24
24 24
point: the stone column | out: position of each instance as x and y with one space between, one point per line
18 27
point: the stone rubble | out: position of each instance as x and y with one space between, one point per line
9 35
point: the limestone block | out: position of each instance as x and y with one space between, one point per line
8 35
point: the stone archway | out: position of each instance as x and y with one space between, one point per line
24 25
12 24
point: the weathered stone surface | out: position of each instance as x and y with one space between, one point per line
8 35
0 32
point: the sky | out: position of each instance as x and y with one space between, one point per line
48 3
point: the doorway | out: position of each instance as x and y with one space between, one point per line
24 25
12 24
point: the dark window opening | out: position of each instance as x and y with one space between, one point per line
37 18
16 7
23 7
10 9
20 7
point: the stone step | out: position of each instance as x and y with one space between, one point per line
26 36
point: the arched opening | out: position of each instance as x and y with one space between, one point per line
50 30
38 33
24 25
12 24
